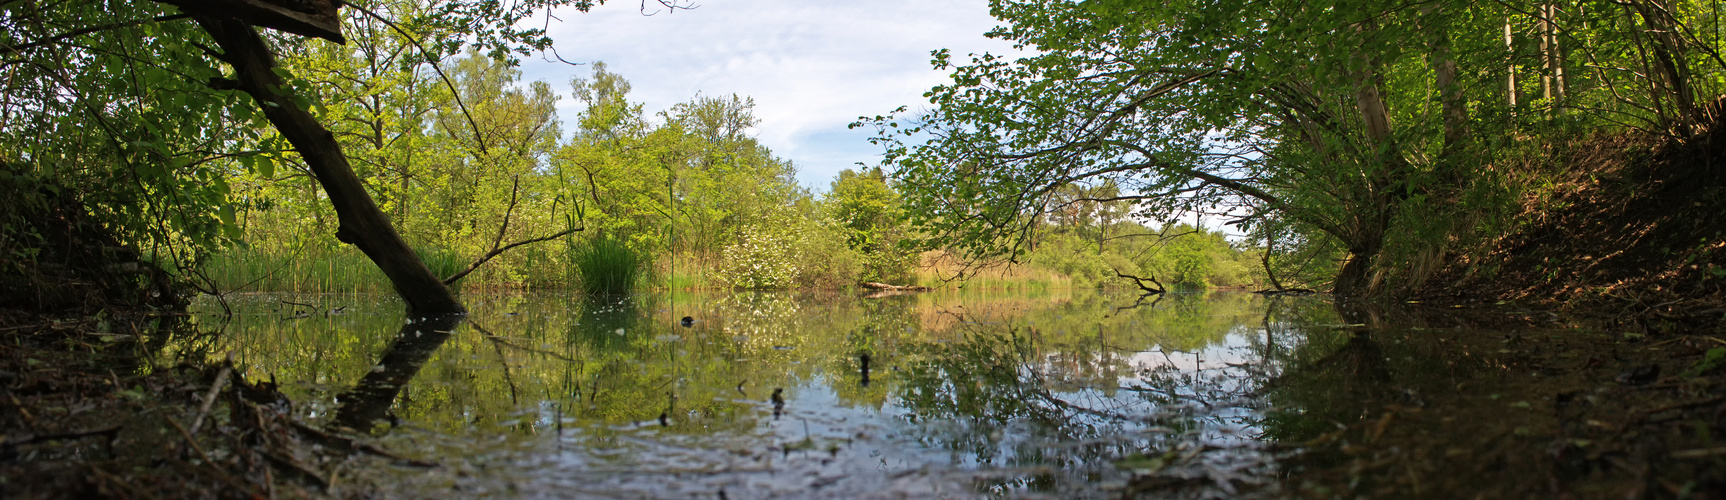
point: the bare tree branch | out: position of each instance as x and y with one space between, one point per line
1141 282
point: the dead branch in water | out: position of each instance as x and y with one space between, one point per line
1141 283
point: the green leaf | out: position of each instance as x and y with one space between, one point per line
226 214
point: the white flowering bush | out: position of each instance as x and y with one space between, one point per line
766 256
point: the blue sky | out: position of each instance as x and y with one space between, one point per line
812 66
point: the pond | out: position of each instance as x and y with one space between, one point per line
1066 393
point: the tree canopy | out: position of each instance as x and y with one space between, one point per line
1383 129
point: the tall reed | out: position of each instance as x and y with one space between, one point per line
341 269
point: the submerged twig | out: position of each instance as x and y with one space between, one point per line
351 445
210 397
208 463
501 359
38 438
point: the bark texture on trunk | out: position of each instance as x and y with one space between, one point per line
362 223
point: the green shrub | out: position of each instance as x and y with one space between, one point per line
607 266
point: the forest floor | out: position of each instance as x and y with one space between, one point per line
86 417
86 411
1589 357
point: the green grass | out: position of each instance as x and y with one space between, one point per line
686 281
1019 283
313 270
607 267
602 266
442 261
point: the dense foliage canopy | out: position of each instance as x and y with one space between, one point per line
143 114
1386 135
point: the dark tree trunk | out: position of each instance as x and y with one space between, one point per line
1365 243
362 223
1449 93
1354 279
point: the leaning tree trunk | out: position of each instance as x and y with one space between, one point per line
1669 50
362 223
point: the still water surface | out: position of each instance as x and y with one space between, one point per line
1068 393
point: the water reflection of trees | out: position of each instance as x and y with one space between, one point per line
1351 367
1042 394
1052 390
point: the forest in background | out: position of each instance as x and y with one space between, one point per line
687 194
467 159
1360 154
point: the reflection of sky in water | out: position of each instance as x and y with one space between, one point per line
1065 432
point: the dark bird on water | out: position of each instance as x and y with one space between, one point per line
778 399
687 322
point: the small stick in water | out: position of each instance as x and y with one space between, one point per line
778 402
865 359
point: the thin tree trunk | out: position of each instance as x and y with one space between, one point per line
362 224
1373 112
1270 247
1449 92
1510 76
1546 48
1557 57
1669 54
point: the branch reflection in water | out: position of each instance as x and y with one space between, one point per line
993 393
370 400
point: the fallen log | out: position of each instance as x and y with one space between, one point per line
883 286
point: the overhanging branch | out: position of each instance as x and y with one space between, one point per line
499 251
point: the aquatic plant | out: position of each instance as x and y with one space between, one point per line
607 266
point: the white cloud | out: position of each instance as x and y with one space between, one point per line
811 66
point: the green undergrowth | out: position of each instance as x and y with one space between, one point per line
606 266
311 269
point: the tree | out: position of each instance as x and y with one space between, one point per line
180 51
362 223
1348 121
868 211
1092 211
